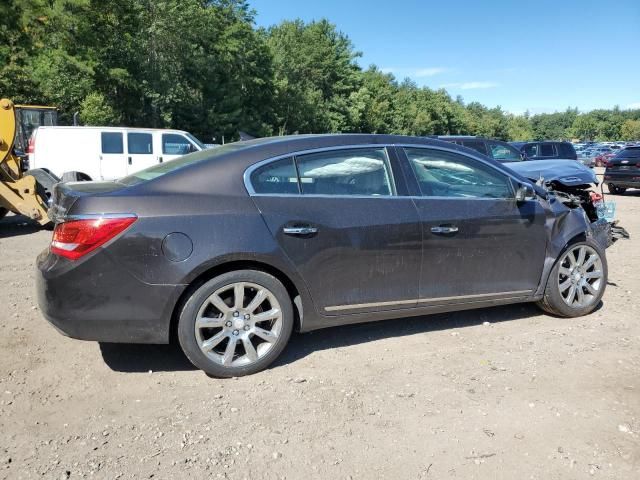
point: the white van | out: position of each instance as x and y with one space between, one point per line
105 153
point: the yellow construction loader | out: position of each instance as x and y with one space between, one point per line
21 192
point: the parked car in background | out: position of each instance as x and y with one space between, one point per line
234 247
105 153
623 171
496 149
546 150
602 159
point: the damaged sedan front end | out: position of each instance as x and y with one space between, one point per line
573 200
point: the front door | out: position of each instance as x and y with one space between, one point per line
139 151
113 160
174 145
478 242
337 217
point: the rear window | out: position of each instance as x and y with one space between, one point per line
112 142
566 150
276 178
629 152
161 169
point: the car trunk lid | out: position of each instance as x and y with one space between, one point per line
65 196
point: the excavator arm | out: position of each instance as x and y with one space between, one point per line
18 192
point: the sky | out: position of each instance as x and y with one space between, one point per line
536 55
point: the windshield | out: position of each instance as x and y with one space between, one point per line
195 140
172 165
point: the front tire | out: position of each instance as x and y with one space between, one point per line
577 281
236 324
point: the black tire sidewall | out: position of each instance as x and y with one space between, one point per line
552 292
186 322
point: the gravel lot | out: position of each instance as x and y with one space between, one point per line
495 393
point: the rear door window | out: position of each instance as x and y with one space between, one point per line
547 150
139 143
361 171
112 142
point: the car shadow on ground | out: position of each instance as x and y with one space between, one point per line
17 225
168 358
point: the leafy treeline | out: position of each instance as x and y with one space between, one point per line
202 66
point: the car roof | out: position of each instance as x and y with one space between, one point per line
239 156
109 129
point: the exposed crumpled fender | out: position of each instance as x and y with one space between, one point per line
566 172
563 225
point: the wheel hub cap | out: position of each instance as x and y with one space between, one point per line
580 276
238 324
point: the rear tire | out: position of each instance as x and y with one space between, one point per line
616 190
577 281
3 212
75 177
236 324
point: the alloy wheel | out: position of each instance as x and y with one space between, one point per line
580 276
238 324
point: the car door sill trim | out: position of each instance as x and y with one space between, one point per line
416 302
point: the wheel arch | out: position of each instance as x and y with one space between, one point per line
295 291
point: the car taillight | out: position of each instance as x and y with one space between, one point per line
31 147
76 238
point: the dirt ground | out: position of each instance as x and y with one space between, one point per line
523 396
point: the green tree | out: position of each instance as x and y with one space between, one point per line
315 73
519 128
630 130
94 110
585 127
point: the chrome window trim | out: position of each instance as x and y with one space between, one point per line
380 146
417 301
386 146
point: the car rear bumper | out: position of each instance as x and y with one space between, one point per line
96 300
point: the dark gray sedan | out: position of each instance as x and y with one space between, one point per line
229 249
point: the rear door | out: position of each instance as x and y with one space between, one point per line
113 160
478 242
338 217
139 151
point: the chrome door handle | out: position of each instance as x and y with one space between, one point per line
445 230
300 230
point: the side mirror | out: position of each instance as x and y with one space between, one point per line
524 192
